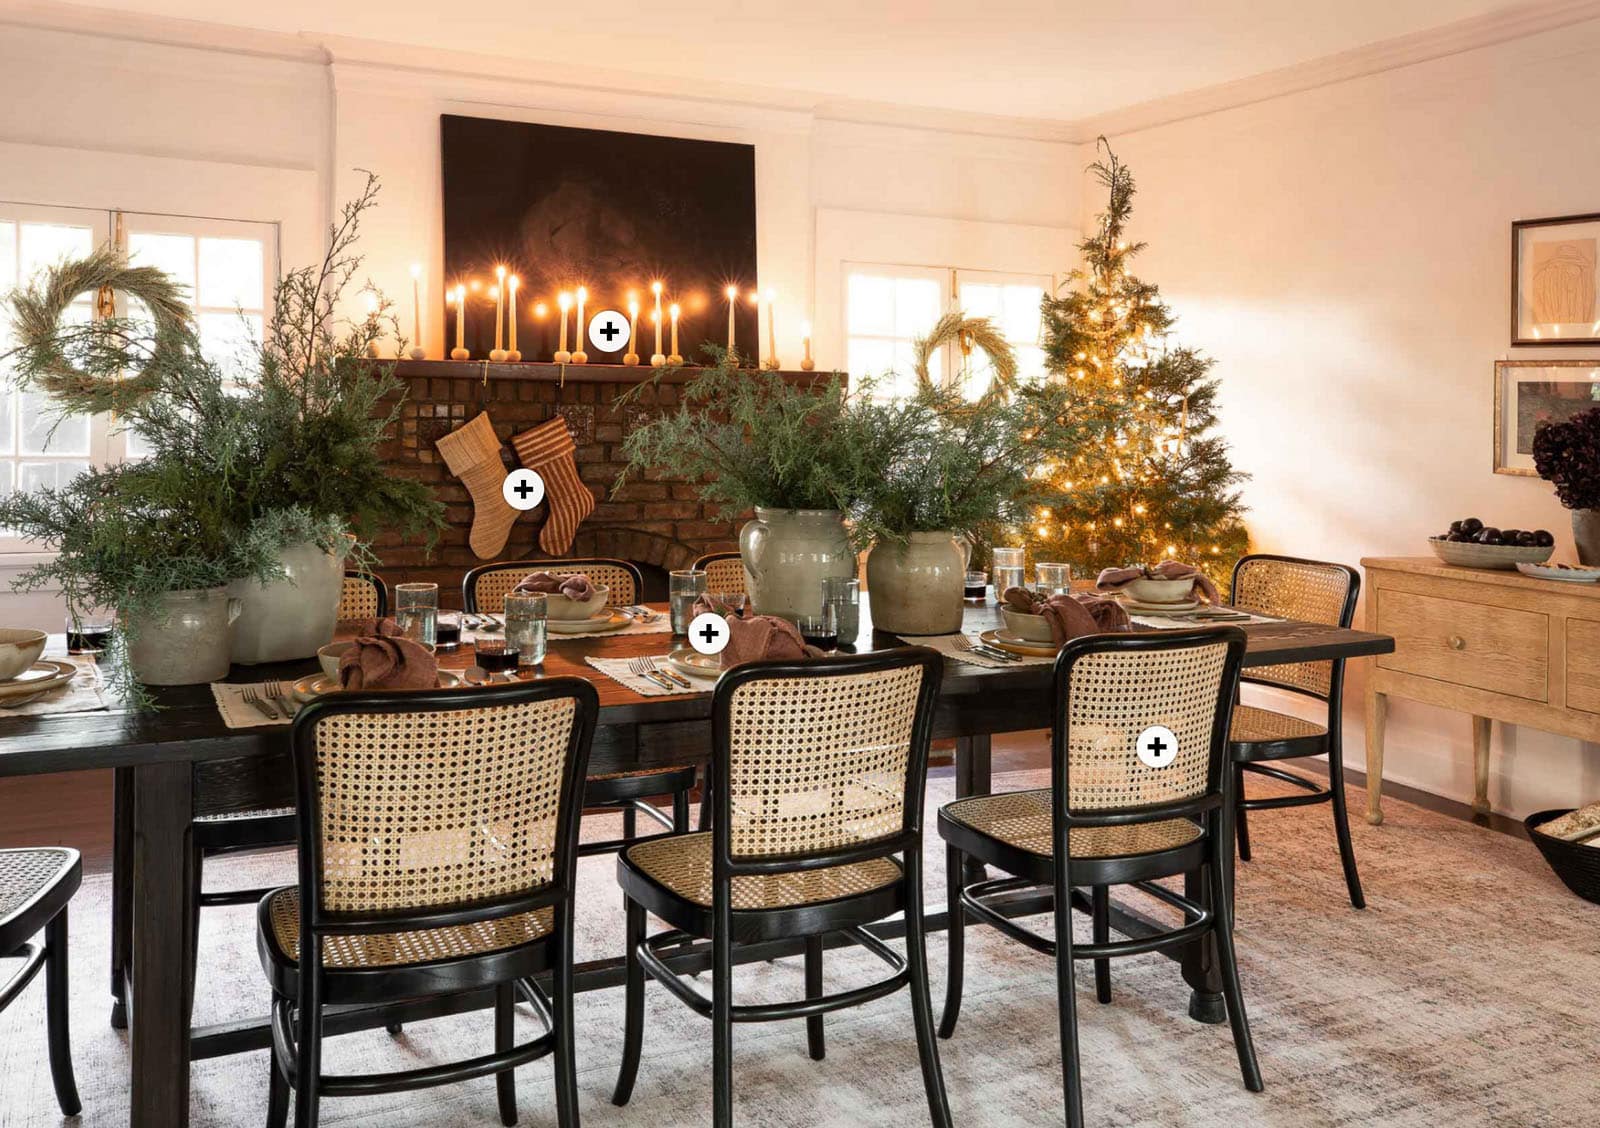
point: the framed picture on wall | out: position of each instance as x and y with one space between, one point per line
1553 280
1530 392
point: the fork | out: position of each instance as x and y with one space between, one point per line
962 642
644 614
274 690
646 669
490 623
252 698
672 674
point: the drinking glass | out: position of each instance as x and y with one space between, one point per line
89 631
495 655
447 631
683 588
727 602
1008 567
416 612
842 594
976 586
525 626
1054 579
821 631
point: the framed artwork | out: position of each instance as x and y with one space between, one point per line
1530 392
1553 280
609 211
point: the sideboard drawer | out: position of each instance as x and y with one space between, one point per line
1583 665
1492 648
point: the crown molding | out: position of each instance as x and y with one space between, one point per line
1449 39
165 31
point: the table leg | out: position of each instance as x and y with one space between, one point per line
121 893
1201 971
163 803
1377 716
973 777
1482 730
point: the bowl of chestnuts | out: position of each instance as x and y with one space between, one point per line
1470 543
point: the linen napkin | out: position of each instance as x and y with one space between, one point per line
1114 579
575 587
384 660
1070 616
618 670
763 636
239 714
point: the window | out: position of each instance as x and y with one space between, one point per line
887 307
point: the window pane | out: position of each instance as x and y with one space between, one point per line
229 341
1019 320
44 432
870 305
48 475
171 254
45 244
7 468
8 254
8 421
870 358
231 273
981 300
905 383
916 306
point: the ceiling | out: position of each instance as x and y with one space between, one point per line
1064 60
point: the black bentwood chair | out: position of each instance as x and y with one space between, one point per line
365 596
724 571
484 589
438 855
1114 818
35 887
1315 592
817 778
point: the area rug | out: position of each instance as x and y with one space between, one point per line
1462 996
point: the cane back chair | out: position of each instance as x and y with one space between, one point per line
438 855
35 888
1315 592
483 591
817 778
365 596
724 571
1112 817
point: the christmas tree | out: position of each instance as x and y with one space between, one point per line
1157 483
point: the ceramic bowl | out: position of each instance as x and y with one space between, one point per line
559 606
19 649
1160 591
329 657
1033 628
1466 554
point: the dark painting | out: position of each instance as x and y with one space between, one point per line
613 212
1540 402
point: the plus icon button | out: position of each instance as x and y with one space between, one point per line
708 633
523 489
608 331
1156 747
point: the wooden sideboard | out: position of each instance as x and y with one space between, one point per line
1500 646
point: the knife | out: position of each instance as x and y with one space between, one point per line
675 676
657 677
997 655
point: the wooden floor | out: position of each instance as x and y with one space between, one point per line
74 808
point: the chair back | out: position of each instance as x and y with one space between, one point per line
414 807
1312 591
822 758
724 571
1111 688
365 596
483 590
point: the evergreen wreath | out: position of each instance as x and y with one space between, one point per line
969 333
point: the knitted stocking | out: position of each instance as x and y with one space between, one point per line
547 449
472 453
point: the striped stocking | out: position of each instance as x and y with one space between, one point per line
547 449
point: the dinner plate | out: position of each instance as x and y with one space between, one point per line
610 621
1569 573
41 677
1015 644
695 664
1181 608
315 685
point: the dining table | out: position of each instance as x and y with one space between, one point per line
154 752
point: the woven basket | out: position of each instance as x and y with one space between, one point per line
1576 864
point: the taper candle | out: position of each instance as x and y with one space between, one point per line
673 357
417 349
513 354
657 358
581 329
755 303
631 357
564 300
806 363
499 292
772 331
733 307
460 351
655 288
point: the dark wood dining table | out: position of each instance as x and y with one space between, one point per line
155 751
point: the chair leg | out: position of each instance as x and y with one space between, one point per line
121 894
561 1005
277 1093
956 930
680 812
505 1082
630 823
197 866
1067 1006
814 1037
1241 816
1228 964
705 800
57 1006
722 1018
1102 934
1341 823
921 1004
308 1062
633 994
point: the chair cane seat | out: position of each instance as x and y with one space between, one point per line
36 883
402 949
1021 819
681 864
1258 734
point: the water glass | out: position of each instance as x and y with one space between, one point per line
1054 579
525 626
416 612
1009 569
821 631
683 588
975 586
89 631
447 631
842 594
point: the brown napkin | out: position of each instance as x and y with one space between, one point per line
1070 616
763 636
575 587
1113 579
384 660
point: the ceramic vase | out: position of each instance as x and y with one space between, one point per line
293 616
185 640
787 554
917 585
1586 535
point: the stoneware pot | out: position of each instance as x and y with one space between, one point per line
186 640
788 553
917 586
291 617
1586 534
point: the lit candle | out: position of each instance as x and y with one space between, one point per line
806 363
512 352
417 349
657 358
632 357
460 351
580 329
564 300
674 358
733 307
655 288
499 292
772 332
755 303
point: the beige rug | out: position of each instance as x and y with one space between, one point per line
1462 996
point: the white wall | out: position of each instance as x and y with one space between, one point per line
1343 254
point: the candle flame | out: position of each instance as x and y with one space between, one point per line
674 311
476 285
771 293
540 310
732 292
633 306
755 297
583 293
514 282
655 288
494 292
416 270
372 304
805 328
564 300
500 271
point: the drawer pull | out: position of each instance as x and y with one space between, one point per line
1457 642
